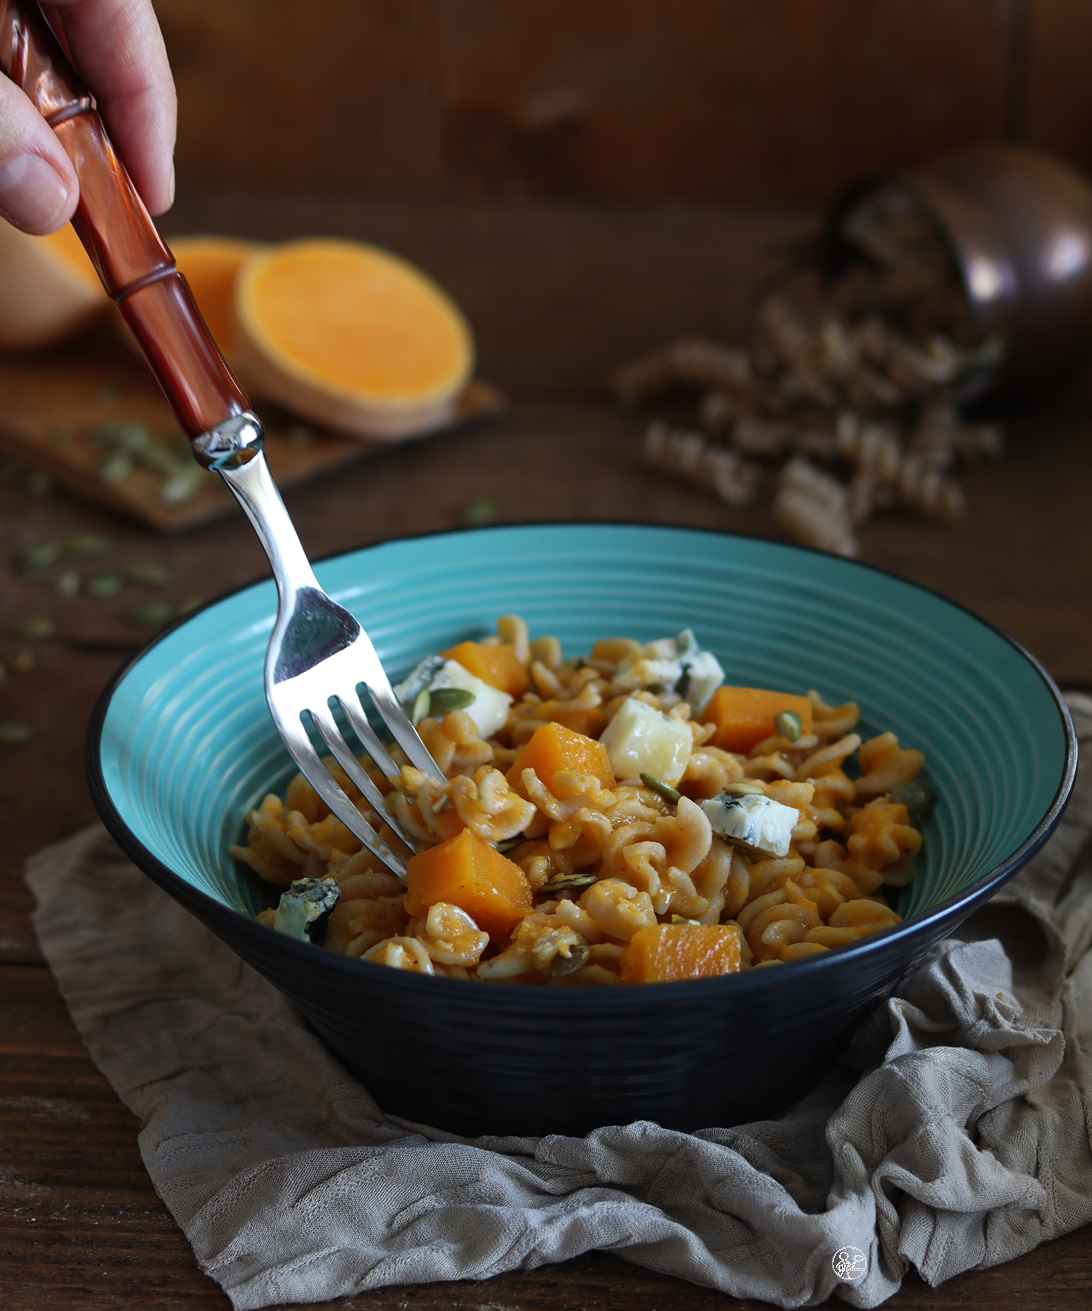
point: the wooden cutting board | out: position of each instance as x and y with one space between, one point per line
53 408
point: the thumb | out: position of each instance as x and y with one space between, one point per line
38 187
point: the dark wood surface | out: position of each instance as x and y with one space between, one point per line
80 1226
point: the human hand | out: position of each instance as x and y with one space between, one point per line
118 50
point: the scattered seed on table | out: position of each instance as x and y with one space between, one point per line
19 659
151 614
14 734
181 487
39 483
190 603
116 467
85 545
146 573
30 628
482 510
33 559
67 583
103 586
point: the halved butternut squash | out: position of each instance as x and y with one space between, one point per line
211 266
48 288
352 337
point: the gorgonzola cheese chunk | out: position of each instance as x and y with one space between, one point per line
642 740
672 664
488 710
753 821
306 902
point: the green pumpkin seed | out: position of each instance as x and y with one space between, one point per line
33 559
918 797
151 614
19 659
146 573
421 703
745 789
479 511
562 881
103 586
67 583
789 725
86 545
560 964
190 603
116 468
181 487
14 734
443 700
31 628
122 435
664 789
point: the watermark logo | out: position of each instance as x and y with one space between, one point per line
850 1264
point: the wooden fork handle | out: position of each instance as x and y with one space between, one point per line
135 265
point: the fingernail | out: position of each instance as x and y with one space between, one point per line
32 193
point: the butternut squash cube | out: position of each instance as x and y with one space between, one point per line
554 748
744 716
467 872
496 664
664 953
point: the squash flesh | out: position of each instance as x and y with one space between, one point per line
744 716
467 872
666 953
496 664
554 748
211 266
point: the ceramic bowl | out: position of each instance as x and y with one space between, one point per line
181 746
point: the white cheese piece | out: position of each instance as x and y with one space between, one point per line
672 664
753 821
641 740
306 901
488 710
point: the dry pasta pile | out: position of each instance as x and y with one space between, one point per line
622 817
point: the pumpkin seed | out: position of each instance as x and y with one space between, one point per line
745 789
146 573
31 628
560 964
421 703
181 487
115 468
190 603
562 881
103 586
85 545
19 659
122 435
681 919
664 789
443 700
33 559
67 583
918 797
789 725
14 734
479 511
151 614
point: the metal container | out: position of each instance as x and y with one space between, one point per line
1019 226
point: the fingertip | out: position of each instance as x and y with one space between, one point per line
35 195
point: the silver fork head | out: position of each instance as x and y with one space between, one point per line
318 652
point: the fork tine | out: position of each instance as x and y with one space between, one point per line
368 738
378 685
331 735
316 773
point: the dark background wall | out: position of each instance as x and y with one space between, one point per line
618 100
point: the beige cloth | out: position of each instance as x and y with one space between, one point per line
951 1137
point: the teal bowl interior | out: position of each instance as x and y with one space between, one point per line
186 745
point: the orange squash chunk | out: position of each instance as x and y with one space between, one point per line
745 715
467 872
555 747
495 664
665 953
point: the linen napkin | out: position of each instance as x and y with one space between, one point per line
951 1136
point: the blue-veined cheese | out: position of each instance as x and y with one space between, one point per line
671 664
753 821
304 903
642 740
488 710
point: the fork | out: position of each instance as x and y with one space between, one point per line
317 652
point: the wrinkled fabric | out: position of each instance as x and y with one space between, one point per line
953 1134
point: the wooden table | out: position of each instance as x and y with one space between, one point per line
80 1226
